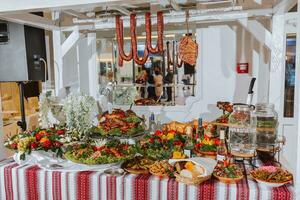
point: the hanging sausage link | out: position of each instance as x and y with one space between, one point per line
159 48
139 61
120 40
133 54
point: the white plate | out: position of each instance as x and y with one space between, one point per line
268 184
71 166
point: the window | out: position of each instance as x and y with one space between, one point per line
289 84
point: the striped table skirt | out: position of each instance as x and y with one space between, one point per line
31 182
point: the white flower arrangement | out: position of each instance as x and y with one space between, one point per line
80 111
44 108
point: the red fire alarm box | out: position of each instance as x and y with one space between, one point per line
242 68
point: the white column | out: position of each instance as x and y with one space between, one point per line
92 64
297 103
57 56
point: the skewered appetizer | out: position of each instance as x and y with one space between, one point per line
227 108
119 123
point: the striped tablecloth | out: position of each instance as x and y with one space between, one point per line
30 182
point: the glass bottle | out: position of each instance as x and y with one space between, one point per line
189 142
222 149
200 130
266 128
242 135
158 123
152 124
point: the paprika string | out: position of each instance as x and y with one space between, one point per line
120 40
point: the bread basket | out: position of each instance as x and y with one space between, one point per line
193 181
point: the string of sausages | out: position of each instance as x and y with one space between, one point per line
133 53
170 61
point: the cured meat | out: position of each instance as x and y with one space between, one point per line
160 31
137 60
133 54
188 50
120 40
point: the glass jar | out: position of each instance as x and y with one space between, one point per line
242 135
267 123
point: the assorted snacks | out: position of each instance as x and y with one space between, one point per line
138 165
161 169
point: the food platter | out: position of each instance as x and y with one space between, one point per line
119 124
138 165
108 153
161 169
228 173
271 176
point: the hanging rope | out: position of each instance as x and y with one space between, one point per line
187 16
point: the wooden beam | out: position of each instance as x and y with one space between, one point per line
284 6
70 41
76 14
38 5
120 9
174 5
179 17
258 31
31 20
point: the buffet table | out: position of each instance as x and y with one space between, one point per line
32 182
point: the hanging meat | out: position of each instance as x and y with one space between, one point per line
120 41
188 50
133 54
160 31
170 61
137 60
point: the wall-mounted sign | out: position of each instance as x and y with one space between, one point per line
242 68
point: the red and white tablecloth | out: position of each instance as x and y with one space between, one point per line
31 182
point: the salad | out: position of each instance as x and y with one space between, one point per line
207 145
226 170
110 152
162 145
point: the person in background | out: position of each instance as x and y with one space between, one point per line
142 79
150 89
158 82
169 80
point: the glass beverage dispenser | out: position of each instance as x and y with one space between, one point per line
242 134
266 129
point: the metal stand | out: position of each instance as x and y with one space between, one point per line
22 123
